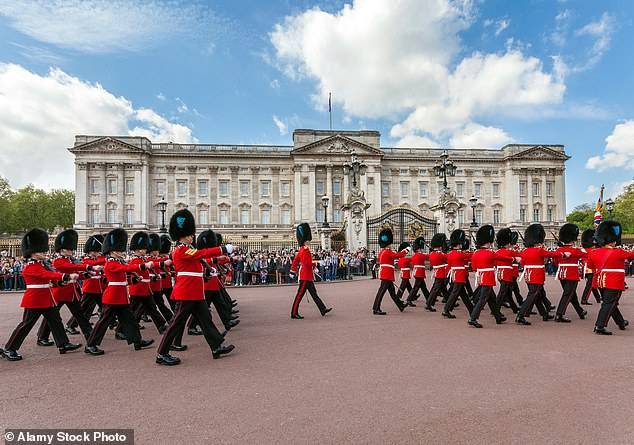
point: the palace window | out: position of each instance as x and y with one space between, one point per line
523 214
244 189
522 188
460 217
336 215
536 189
536 214
94 215
203 216
265 188
202 187
223 188
336 187
423 189
385 189
320 214
112 186
285 188
245 216
550 213
477 189
478 215
319 188
496 216
460 189
159 216
495 189
549 189
93 186
181 188
129 216
160 188
265 216
111 215
223 216
129 186
404 189
286 216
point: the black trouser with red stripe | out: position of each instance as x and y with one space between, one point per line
486 295
305 285
568 296
588 288
386 285
145 304
419 284
516 291
457 290
505 295
165 311
88 304
29 318
75 308
405 286
168 296
610 308
536 297
197 309
438 288
127 324
224 312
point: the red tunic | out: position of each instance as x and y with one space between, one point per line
438 261
38 294
166 282
418 264
117 291
533 261
505 270
94 285
568 268
142 287
189 271
155 273
609 263
305 261
405 266
67 292
457 261
386 259
483 261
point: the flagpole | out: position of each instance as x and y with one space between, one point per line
330 108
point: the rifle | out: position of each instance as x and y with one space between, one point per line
559 243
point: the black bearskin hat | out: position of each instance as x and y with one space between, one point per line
419 243
568 233
608 232
386 237
504 237
154 242
182 224
206 239
218 240
534 234
116 240
439 240
66 240
93 244
466 244
587 238
303 233
515 236
166 244
485 235
457 237
403 246
35 241
140 240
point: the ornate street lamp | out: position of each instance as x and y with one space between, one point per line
162 206
445 168
473 202
324 203
609 204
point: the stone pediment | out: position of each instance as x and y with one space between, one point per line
111 144
337 145
540 152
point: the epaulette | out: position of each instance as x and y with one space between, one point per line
191 251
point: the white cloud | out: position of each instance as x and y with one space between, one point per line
501 25
107 26
619 149
275 84
414 141
479 136
386 58
161 97
182 106
601 31
281 125
41 114
559 35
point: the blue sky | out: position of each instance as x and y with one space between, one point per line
422 72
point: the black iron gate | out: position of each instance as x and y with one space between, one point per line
406 224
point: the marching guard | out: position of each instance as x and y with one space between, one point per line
38 298
405 267
304 260
505 272
386 260
516 268
458 260
438 261
158 277
418 267
588 243
568 273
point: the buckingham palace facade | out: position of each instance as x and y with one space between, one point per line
256 193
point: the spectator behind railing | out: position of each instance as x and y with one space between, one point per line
11 273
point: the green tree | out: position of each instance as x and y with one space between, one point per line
624 209
583 216
5 202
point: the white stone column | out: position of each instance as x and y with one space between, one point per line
329 190
103 196
312 217
560 196
81 193
121 192
529 193
144 192
378 194
297 187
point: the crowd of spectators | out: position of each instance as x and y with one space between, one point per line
11 273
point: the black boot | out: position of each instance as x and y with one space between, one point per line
411 304
601 331
72 331
11 355
167 360
548 317
143 344
624 325
448 315
562 319
120 336
379 312
430 308
222 350
474 323
328 309
522 321
194 331
178 348
45 342
69 347
297 317
93 350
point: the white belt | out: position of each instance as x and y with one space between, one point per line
458 267
406 269
613 270
504 267
568 265
419 267
190 274
95 278
38 286
386 265
486 269
145 280
533 266
117 283
439 266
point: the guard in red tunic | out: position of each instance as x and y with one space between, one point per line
93 286
533 258
222 268
38 298
568 272
587 244
386 259
418 269
458 260
505 271
68 295
304 260
157 276
515 248
189 291
483 263
116 301
438 261
170 272
405 268
609 264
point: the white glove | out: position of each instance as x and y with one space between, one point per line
229 248
409 249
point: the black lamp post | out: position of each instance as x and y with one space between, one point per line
324 202
473 202
445 168
609 204
162 206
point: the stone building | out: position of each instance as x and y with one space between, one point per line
254 194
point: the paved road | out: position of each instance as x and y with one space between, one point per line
347 378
